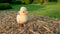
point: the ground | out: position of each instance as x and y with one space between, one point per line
37 25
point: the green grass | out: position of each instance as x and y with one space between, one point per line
52 9
49 10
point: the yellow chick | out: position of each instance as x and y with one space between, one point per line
22 16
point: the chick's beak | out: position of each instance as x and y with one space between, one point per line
25 12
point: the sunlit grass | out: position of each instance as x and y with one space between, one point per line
50 9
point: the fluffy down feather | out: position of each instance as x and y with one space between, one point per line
22 16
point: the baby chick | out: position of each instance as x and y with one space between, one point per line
22 16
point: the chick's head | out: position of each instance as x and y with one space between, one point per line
23 10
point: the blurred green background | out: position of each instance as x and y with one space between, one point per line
49 8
